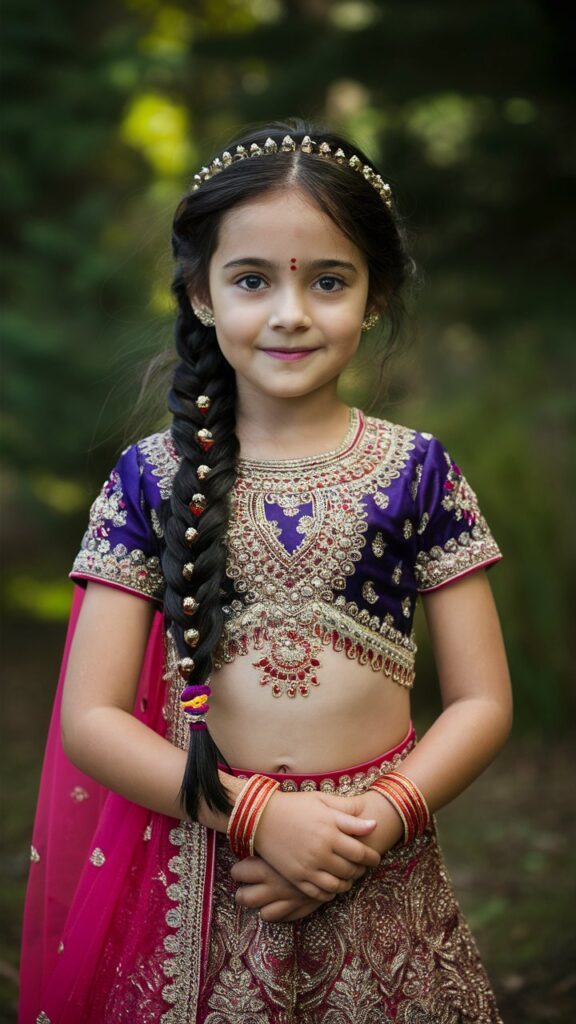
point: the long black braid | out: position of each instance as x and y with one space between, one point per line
202 371
195 568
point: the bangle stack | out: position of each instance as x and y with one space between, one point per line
407 800
246 814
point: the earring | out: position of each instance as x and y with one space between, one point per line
370 321
204 315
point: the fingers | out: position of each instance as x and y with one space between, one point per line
353 826
356 853
252 870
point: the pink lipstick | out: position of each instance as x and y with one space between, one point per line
289 355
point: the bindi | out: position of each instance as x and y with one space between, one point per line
293 264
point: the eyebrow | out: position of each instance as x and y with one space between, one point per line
256 261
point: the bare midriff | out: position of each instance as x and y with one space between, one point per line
353 715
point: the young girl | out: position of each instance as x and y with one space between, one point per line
250 582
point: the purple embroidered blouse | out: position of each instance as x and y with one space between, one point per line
329 549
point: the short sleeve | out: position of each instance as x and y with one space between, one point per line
120 546
453 536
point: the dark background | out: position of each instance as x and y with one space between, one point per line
108 110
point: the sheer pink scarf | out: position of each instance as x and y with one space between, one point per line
86 844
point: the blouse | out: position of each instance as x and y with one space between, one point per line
330 549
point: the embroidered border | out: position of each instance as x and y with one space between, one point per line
184 943
470 551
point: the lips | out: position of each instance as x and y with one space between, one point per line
288 354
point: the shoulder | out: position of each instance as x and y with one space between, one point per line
417 445
154 460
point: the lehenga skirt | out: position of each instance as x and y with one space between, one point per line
131 915
395 948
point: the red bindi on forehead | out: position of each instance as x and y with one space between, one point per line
293 263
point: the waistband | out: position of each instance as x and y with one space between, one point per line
345 781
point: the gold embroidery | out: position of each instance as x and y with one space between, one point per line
469 551
131 569
393 948
147 833
184 943
97 857
407 529
397 573
415 483
289 597
42 1018
34 855
378 545
369 592
160 452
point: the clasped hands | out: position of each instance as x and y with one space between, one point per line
310 848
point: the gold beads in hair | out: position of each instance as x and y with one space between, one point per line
202 403
197 504
191 636
202 472
185 666
190 536
205 439
188 570
189 605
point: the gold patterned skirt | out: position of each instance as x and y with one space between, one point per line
395 948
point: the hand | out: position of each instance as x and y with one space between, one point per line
263 889
389 828
311 840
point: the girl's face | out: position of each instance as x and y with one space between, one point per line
288 290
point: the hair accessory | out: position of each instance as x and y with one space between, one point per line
202 403
191 636
203 314
288 145
189 605
205 439
202 472
190 535
407 800
194 704
188 570
185 666
197 504
370 321
246 814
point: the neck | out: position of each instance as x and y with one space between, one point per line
290 427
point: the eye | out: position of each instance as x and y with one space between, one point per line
329 283
251 282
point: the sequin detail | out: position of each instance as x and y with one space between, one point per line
290 603
34 855
97 857
79 794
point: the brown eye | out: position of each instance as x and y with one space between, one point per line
251 282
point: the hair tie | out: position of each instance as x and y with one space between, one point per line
202 403
194 704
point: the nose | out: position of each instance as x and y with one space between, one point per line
289 312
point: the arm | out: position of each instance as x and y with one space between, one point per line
99 733
102 737
476 699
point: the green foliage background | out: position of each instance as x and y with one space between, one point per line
109 109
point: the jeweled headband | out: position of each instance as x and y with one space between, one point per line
288 145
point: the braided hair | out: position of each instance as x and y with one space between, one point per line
202 400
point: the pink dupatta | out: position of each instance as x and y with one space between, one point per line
100 930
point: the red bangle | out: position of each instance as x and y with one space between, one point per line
408 802
246 814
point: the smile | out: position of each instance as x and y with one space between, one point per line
288 354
